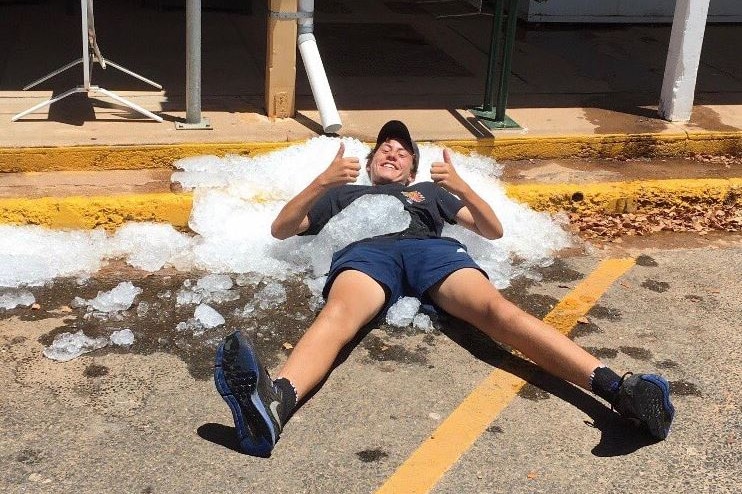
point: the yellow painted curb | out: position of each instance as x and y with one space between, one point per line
611 197
137 157
603 145
91 212
623 197
98 158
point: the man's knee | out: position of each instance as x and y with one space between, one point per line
498 311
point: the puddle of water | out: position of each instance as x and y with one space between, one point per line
684 388
636 352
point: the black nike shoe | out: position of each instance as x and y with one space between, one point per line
256 403
645 399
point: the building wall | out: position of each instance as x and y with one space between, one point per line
619 11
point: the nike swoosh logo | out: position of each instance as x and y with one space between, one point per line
274 411
460 249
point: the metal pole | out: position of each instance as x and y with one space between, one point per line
85 45
502 94
492 64
193 61
193 68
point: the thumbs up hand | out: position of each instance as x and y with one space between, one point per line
342 170
444 174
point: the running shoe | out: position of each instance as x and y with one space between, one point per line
645 399
254 400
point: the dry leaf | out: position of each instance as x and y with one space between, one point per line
288 346
532 475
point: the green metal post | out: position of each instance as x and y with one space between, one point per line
502 94
494 48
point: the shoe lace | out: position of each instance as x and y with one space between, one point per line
620 383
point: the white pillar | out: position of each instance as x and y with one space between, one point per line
683 55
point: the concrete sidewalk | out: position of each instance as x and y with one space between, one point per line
575 89
579 91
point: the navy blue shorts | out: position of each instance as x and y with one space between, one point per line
405 267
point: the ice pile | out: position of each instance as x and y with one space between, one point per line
32 255
151 246
236 199
10 299
119 298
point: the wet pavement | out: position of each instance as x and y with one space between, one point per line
148 419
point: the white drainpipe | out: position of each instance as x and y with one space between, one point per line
316 71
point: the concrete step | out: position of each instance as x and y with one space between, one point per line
90 199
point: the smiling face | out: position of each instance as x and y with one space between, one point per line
391 163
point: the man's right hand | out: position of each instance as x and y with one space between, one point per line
341 171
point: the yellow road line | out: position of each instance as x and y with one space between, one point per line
425 467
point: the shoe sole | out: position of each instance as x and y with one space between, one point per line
659 426
255 443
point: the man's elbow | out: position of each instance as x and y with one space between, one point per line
494 234
278 233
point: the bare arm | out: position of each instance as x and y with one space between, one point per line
293 218
476 215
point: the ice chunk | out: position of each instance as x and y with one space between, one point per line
272 295
207 316
422 322
248 279
213 282
368 216
13 298
187 297
211 288
119 298
67 346
246 311
122 337
222 296
402 313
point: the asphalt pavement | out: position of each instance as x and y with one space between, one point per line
148 418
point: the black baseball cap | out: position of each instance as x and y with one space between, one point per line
394 129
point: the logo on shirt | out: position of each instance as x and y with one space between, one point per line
413 196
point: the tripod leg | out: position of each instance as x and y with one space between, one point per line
48 102
128 103
52 74
133 74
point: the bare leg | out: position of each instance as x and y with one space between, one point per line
354 299
468 295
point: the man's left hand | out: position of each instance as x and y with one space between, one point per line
444 174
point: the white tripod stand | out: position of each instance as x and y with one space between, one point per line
88 58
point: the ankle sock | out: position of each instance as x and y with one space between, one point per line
288 391
605 383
